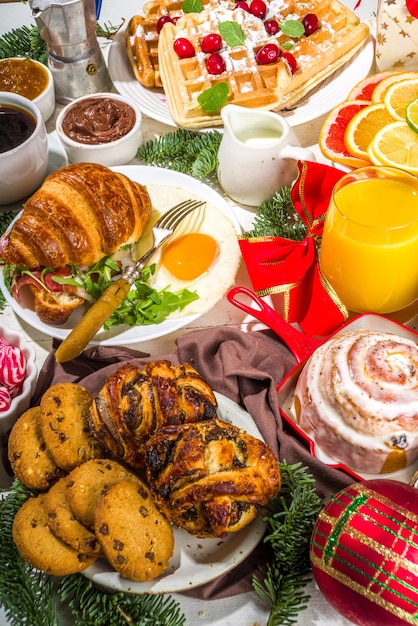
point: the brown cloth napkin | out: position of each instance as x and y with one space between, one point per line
245 367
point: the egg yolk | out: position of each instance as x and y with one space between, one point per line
189 255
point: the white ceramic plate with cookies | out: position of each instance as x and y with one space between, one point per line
216 219
195 561
320 101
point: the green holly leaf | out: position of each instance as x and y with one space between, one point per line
212 100
192 6
232 33
292 28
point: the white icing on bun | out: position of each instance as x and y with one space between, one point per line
357 398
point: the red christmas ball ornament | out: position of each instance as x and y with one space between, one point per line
364 553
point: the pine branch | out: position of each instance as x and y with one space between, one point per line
91 605
291 516
277 218
24 42
25 593
185 151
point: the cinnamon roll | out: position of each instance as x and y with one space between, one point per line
357 398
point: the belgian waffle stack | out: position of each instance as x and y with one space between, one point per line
339 35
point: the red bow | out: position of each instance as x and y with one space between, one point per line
288 270
412 6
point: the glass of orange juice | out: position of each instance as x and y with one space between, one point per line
369 247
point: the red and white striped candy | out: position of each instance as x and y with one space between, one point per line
12 365
5 399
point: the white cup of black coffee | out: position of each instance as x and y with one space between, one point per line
23 148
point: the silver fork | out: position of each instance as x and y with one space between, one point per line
162 230
114 295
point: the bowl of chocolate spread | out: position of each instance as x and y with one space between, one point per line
101 128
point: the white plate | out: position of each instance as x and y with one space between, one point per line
195 561
320 101
121 335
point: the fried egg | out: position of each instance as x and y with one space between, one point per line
202 255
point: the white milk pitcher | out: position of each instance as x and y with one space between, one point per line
258 154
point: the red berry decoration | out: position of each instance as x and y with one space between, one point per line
258 8
215 64
267 54
291 61
164 19
364 552
183 48
310 23
272 27
243 5
211 43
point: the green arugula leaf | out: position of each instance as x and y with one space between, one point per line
192 6
292 28
212 100
144 305
232 33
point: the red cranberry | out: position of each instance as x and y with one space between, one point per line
183 48
215 64
310 23
291 61
211 42
243 5
272 27
164 19
175 19
258 8
267 54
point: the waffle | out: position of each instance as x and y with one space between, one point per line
141 40
251 85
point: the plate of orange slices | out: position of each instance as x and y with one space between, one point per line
377 124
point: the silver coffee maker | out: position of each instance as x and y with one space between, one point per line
74 54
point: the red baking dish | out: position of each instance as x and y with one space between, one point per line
302 347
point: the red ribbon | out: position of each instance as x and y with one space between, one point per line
289 270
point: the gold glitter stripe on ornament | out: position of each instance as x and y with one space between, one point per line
325 563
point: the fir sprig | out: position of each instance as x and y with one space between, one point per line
26 41
277 218
185 151
291 516
91 605
25 593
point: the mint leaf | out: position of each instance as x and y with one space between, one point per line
292 28
192 6
287 45
232 33
212 100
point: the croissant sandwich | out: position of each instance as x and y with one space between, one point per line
81 214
